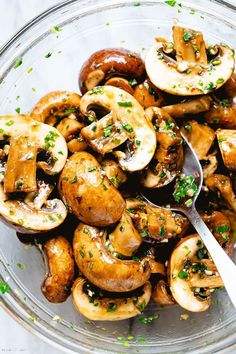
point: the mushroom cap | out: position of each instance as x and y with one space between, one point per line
125 307
131 117
162 72
181 288
42 135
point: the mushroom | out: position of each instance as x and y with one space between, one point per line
148 95
121 83
58 254
158 223
222 112
124 239
125 122
222 184
191 275
189 73
161 293
34 214
227 144
190 106
109 62
88 193
27 137
230 87
113 172
209 165
220 225
101 268
200 136
97 306
168 158
62 110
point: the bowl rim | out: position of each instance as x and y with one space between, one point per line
10 302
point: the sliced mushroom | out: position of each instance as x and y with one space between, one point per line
88 193
101 268
168 158
189 73
227 143
148 95
230 87
28 136
104 308
192 106
191 276
109 62
113 172
125 239
156 222
126 122
222 184
56 286
121 83
62 110
220 225
161 294
209 165
27 217
222 113
200 136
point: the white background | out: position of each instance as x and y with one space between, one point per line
14 339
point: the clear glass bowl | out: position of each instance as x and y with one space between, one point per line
85 27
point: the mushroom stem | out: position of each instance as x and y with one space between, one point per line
189 46
21 166
194 106
38 199
210 282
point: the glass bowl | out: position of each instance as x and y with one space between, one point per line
51 60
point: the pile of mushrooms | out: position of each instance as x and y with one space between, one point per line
97 150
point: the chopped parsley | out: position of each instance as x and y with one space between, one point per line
222 230
50 139
136 4
220 81
125 104
21 265
18 62
48 55
162 232
107 131
127 127
81 253
122 228
9 123
147 320
19 185
171 3
183 274
188 36
74 180
138 142
111 307
187 127
4 287
96 90
184 187
144 233
210 86
17 110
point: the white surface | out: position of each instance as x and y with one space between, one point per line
13 337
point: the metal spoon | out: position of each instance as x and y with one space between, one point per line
224 264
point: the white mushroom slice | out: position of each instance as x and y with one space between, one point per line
130 114
27 219
189 74
180 280
227 143
200 136
39 134
108 309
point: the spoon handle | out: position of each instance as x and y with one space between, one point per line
225 266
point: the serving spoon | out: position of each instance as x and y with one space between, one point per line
224 264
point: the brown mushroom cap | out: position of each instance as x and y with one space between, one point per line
88 193
56 286
101 268
106 63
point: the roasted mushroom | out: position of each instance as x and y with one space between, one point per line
121 83
106 63
125 122
168 158
222 184
62 110
100 267
223 113
58 254
189 73
161 293
192 274
200 136
227 144
230 87
97 306
192 106
148 95
209 165
88 192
